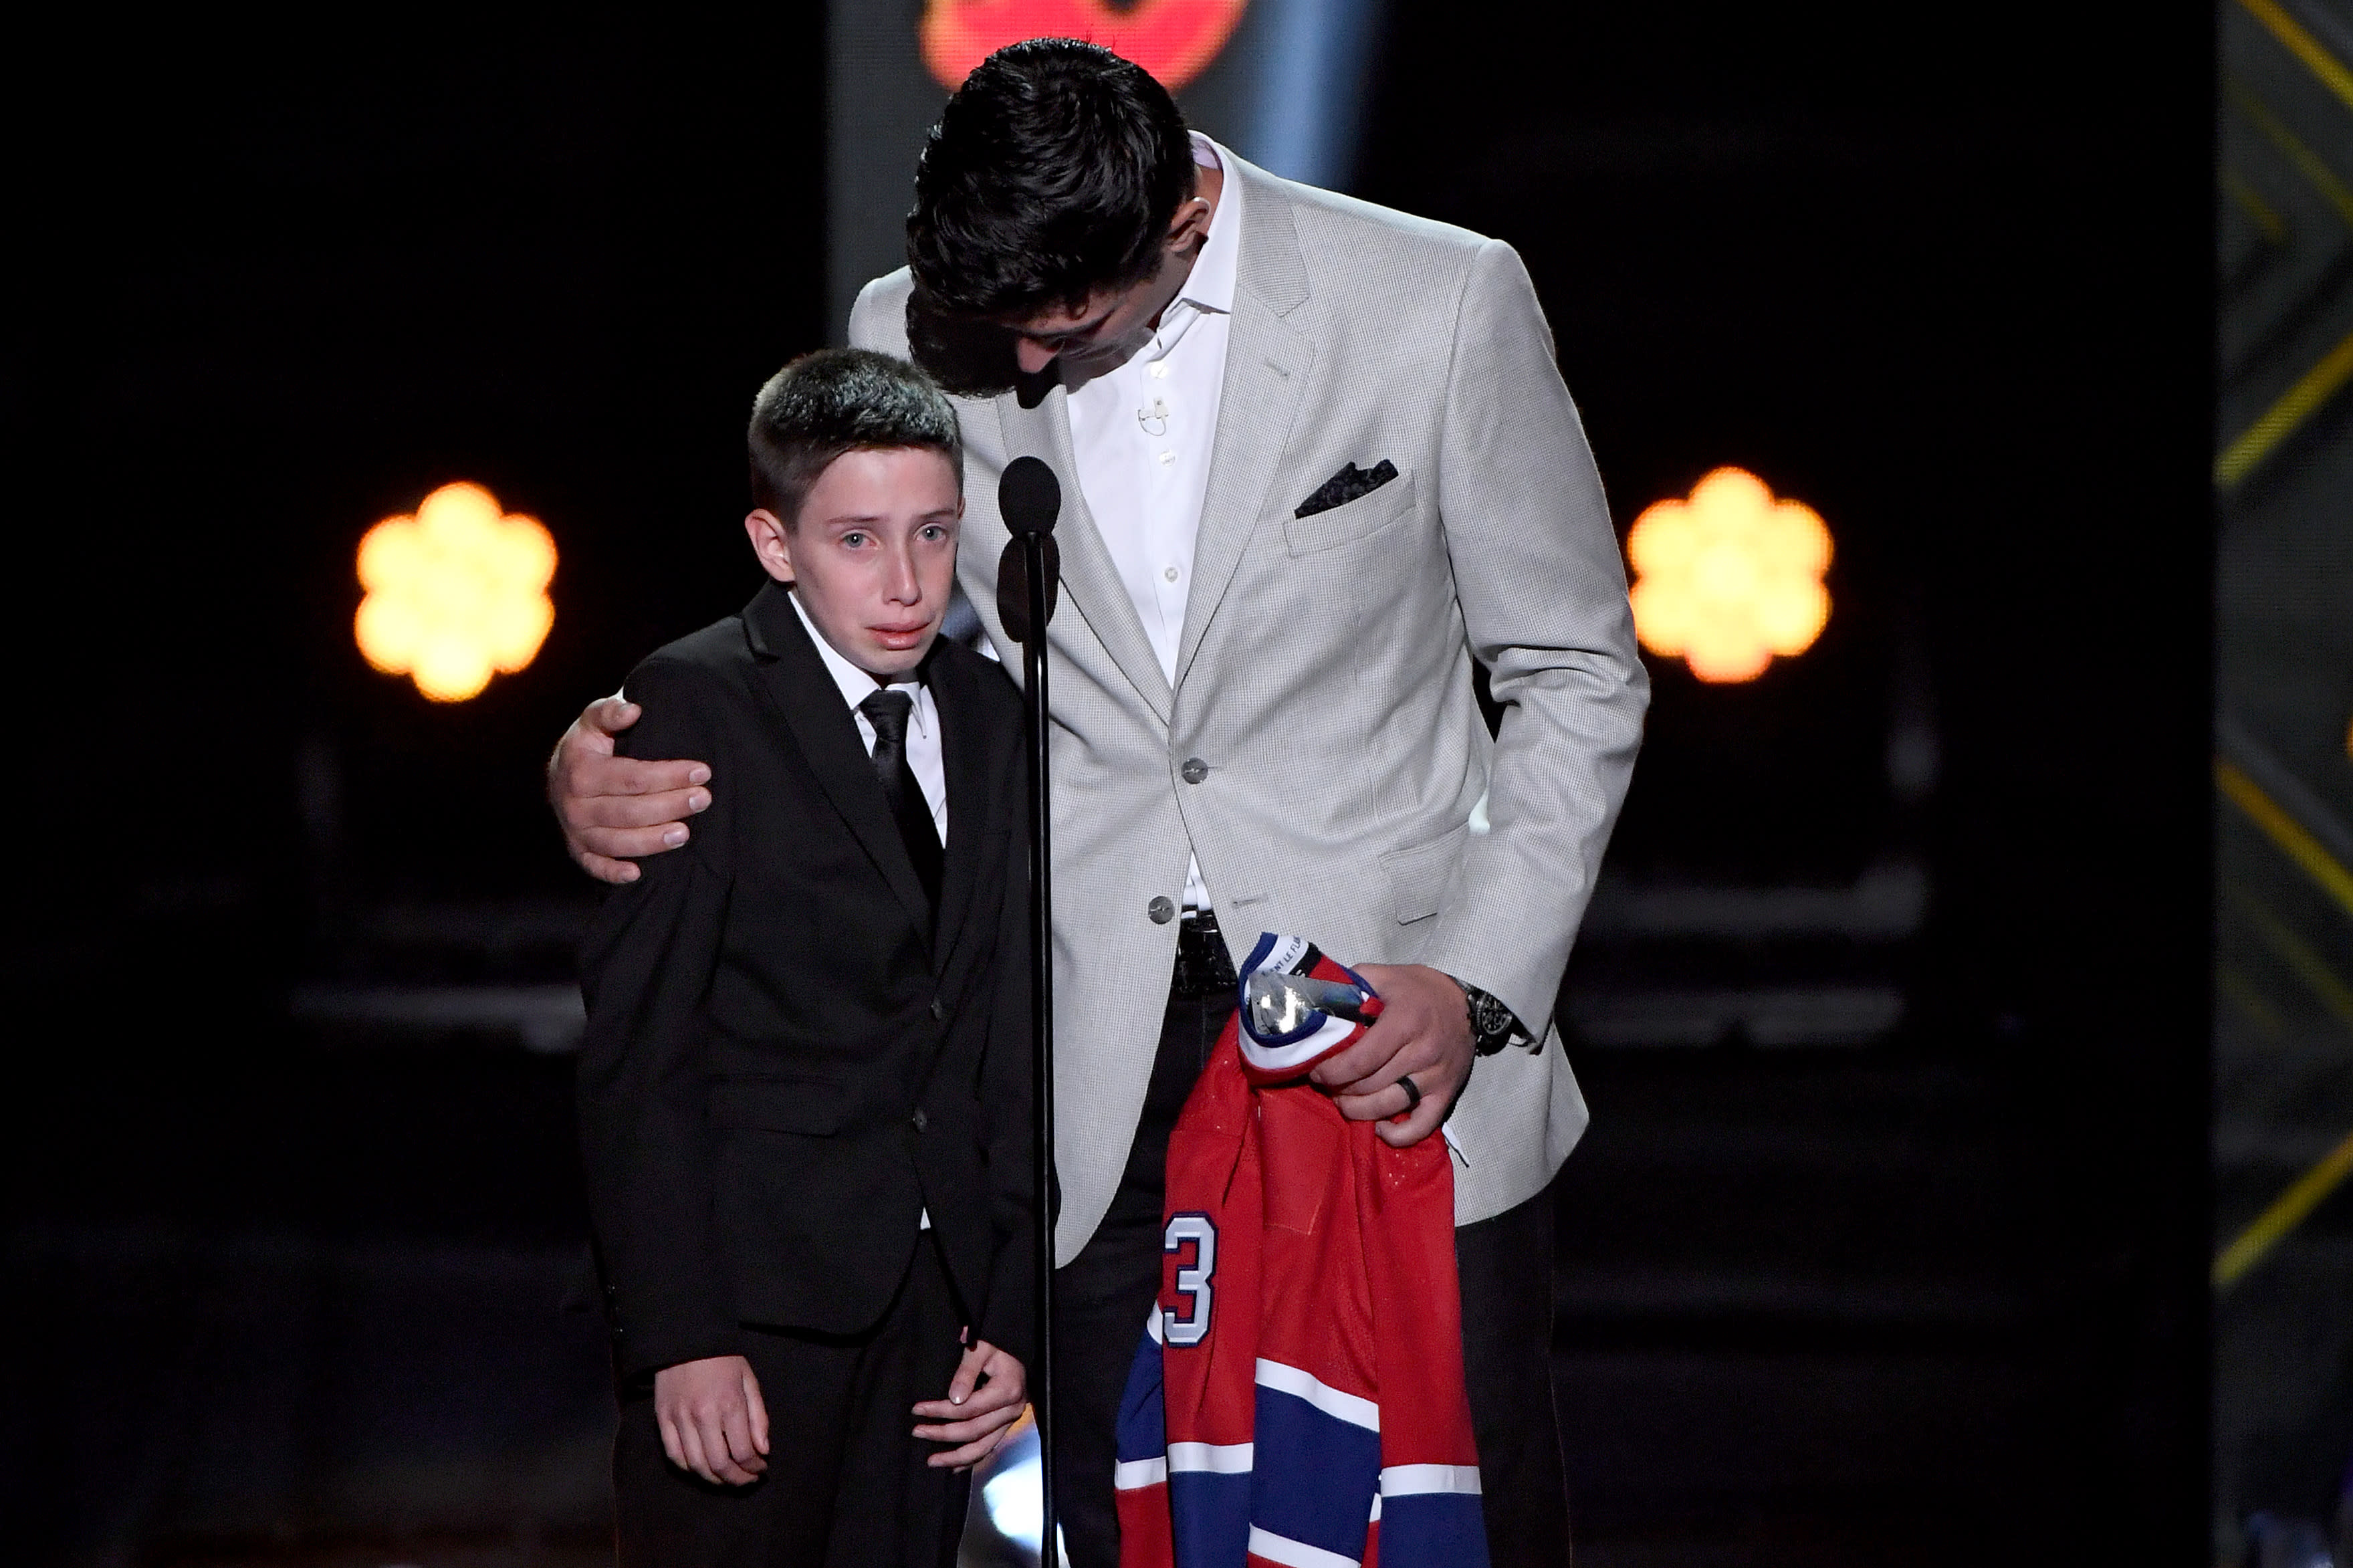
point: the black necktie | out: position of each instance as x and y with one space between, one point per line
887 711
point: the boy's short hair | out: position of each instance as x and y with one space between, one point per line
836 401
1054 171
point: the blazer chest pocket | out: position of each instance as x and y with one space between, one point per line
1345 524
813 1107
1418 874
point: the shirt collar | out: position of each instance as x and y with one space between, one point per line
1210 285
855 685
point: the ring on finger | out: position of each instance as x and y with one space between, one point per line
1412 1093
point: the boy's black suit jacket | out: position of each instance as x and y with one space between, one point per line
784 1064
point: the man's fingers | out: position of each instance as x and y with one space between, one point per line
1422 1063
1386 1052
1415 1128
606 869
637 775
758 1408
1378 1106
1418 1057
586 815
670 799
670 1444
1359 1061
618 810
634 843
609 715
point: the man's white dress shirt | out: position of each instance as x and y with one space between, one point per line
1142 435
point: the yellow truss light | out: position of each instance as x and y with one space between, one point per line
1730 577
454 593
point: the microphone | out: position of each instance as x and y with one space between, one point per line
1029 498
1029 572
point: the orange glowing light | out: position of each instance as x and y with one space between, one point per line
455 593
1173 39
1729 578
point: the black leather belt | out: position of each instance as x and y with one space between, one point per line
1204 967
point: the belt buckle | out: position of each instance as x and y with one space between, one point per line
1203 965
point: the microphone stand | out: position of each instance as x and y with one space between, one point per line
1029 499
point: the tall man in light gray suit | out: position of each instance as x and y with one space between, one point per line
1316 459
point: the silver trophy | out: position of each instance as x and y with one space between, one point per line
1279 1004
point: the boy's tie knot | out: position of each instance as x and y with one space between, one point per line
887 710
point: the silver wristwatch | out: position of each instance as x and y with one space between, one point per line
1492 1024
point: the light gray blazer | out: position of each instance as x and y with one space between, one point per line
1325 671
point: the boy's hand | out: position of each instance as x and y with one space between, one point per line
612 808
713 1420
985 1399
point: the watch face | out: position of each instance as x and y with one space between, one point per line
1489 1018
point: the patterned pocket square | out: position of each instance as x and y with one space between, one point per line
1345 486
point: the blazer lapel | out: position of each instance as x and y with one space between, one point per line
1267 365
1091 582
969 820
802 688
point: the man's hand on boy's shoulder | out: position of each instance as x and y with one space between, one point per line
712 1419
985 1399
615 808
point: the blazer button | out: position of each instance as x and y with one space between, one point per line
1161 910
920 1119
1194 771
938 1012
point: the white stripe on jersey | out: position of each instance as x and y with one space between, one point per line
1134 1473
1411 1480
1294 1553
1214 1458
1324 1397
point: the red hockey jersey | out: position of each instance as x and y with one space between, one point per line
1298 1398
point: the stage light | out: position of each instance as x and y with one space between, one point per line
1173 39
1729 578
1014 1499
454 593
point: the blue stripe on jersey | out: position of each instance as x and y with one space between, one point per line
1316 1474
1143 1426
1432 1530
1209 1515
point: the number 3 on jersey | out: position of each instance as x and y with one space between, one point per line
1192 1279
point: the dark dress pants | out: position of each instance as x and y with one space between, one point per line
847 1484
1102 1296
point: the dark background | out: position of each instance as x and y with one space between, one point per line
1942 275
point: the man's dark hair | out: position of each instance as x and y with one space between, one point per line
836 401
1054 172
